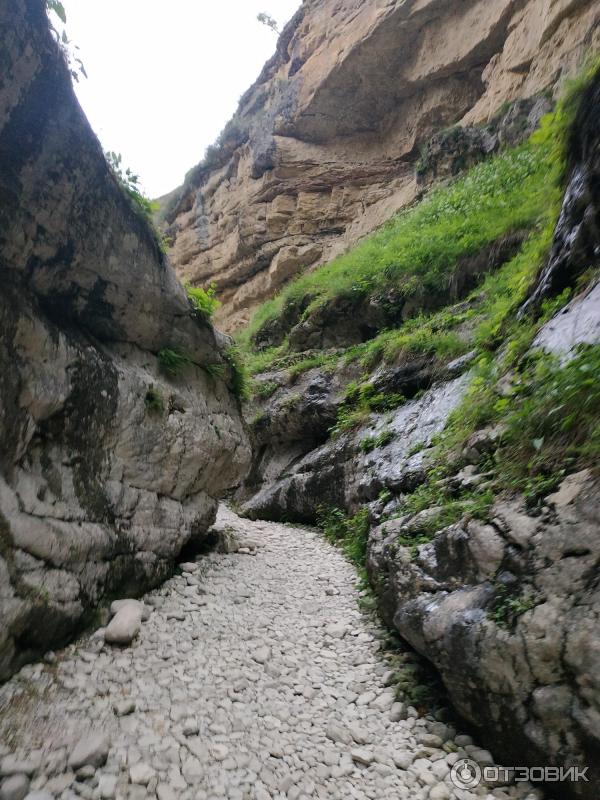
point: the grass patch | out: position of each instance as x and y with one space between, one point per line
173 361
215 371
348 532
448 511
417 252
265 390
360 401
240 384
372 442
153 401
326 361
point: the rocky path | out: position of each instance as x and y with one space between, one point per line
254 677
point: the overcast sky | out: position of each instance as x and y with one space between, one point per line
164 77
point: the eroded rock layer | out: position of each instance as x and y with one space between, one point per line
323 147
107 467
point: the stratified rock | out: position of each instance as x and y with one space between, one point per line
108 466
323 147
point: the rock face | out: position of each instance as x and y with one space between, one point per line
323 147
504 601
107 466
508 612
294 476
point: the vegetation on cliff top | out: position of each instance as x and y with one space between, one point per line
419 253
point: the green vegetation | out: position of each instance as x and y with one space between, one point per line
265 390
240 385
419 252
215 371
70 51
173 361
203 300
371 442
130 185
507 608
360 400
326 361
268 20
154 401
348 532
445 509
551 418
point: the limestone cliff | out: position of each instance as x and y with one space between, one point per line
431 401
323 146
108 466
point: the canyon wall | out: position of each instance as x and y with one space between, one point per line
108 465
323 147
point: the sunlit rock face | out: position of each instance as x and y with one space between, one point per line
323 147
107 467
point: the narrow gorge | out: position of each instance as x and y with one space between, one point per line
349 547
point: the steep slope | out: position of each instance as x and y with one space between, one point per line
108 465
430 399
323 146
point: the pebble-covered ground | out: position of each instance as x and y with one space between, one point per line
255 676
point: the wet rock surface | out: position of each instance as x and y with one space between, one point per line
248 681
292 483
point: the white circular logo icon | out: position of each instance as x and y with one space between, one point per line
466 774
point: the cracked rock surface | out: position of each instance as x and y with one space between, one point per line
251 679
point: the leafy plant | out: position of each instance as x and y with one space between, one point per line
507 607
130 183
203 300
173 361
154 401
372 442
265 390
69 50
349 532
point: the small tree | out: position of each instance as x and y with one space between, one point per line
269 21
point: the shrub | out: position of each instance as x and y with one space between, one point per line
204 301
154 401
265 390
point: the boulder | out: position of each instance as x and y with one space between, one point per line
91 750
125 625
